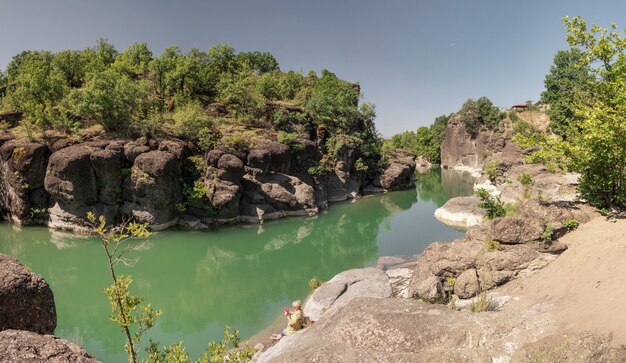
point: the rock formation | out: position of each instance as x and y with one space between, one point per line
26 301
25 346
496 251
57 182
461 150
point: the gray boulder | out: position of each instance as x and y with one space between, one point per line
345 287
26 301
29 347
153 189
400 174
461 211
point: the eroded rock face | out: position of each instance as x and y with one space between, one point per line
22 171
26 301
495 252
400 174
153 189
461 150
399 330
24 346
276 195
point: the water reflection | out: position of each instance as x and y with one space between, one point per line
239 276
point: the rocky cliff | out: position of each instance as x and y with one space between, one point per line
56 181
461 150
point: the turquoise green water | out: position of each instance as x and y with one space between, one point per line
239 276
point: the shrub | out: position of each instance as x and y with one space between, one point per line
190 119
571 223
526 179
492 205
237 141
491 169
482 303
315 282
477 113
492 245
548 232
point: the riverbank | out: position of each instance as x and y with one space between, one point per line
567 312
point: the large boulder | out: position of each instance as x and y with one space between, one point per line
345 287
153 189
24 346
399 330
70 177
26 301
461 211
400 174
276 195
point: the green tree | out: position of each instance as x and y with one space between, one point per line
599 145
477 113
134 61
567 83
110 99
333 101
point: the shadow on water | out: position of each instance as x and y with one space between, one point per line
239 276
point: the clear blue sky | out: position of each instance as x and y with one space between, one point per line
414 59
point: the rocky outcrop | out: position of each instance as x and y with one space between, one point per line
26 301
399 330
461 211
22 171
153 189
541 184
496 251
400 174
345 287
24 346
170 182
461 150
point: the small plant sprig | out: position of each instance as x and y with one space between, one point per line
127 310
492 205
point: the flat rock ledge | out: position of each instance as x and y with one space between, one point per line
461 212
345 287
29 347
401 330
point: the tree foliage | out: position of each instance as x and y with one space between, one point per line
478 113
425 141
569 80
599 144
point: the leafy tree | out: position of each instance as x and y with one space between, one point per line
72 65
134 61
110 99
600 146
334 101
567 83
477 113
261 62
36 87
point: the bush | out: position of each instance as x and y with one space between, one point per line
492 245
315 282
492 205
482 303
548 232
526 179
491 169
190 119
571 224
477 113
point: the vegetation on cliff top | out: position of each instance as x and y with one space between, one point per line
192 95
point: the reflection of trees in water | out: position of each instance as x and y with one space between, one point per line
235 275
439 185
457 183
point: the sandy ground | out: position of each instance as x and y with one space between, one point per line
585 287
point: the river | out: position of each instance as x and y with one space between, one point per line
240 275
